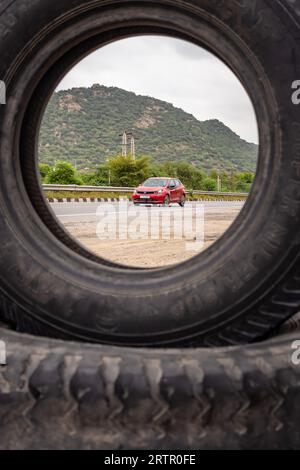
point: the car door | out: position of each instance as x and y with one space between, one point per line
178 190
172 188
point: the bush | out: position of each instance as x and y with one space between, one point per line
209 184
127 172
44 170
99 178
63 173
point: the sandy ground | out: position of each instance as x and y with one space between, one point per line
154 253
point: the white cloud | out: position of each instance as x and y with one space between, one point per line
171 70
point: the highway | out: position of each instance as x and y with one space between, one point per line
81 211
83 222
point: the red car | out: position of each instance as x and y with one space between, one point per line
162 191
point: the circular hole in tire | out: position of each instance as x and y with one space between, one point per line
146 144
236 291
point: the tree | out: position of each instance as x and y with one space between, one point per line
244 182
156 170
197 179
247 177
225 181
209 184
169 169
44 170
99 178
190 176
125 171
142 169
63 173
185 173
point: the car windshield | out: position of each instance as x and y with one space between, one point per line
157 183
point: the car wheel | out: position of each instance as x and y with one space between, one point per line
167 201
182 202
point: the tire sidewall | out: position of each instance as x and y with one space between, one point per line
236 274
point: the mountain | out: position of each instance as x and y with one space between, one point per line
84 126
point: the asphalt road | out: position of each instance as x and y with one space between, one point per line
151 238
82 211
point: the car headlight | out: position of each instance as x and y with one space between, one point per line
160 191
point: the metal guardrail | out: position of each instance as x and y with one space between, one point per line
109 189
74 187
213 193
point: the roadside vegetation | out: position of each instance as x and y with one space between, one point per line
126 172
86 195
115 195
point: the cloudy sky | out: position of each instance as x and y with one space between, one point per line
171 70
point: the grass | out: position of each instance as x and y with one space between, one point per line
85 194
196 197
116 195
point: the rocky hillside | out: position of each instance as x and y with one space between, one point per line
83 126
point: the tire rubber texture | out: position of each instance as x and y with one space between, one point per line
182 202
237 291
61 395
167 201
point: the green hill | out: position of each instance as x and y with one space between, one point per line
83 126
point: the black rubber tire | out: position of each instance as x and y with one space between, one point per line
290 326
237 291
60 395
182 202
167 201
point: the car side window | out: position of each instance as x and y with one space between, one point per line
178 183
173 184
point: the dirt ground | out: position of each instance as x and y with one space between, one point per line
154 253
